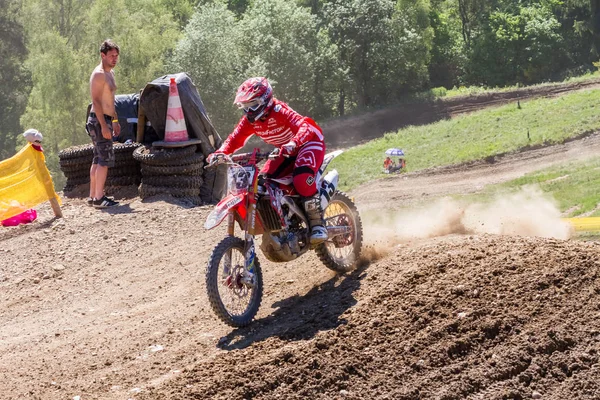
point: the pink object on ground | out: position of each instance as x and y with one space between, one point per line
23 218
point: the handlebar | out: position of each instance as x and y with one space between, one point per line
248 156
241 158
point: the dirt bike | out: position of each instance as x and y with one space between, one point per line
272 208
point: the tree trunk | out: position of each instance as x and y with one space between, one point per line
341 102
595 26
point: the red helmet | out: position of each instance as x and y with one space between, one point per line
255 97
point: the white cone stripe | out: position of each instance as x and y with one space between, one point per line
174 102
172 125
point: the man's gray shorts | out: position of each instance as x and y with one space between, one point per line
104 154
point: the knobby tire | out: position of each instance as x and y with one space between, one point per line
342 208
213 282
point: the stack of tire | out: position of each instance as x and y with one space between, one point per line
173 171
75 163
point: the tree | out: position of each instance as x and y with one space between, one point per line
64 38
281 43
209 53
146 33
181 10
383 47
448 57
15 79
412 45
580 29
238 7
314 5
54 29
519 45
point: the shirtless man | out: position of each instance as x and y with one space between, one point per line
103 123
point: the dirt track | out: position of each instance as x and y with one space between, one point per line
111 304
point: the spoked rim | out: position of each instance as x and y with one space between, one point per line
235 295
340 247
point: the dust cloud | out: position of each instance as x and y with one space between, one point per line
526 213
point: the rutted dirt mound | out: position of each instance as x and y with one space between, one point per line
112 305
484 316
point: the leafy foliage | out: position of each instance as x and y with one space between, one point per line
518 46
14 78
327 58
63 39
209 53
281 43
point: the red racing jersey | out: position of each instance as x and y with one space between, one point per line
281 126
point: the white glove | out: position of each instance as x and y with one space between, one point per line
215 157
288 149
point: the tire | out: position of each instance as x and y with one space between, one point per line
81 157
189 169
121 180
146 190
80 180
77 161
79 170
192 159
174 181
125 147
76 173
156 156
73 169
68 189
124 170
341 253
85 150
232 248
124 158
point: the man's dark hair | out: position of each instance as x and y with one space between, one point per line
108 45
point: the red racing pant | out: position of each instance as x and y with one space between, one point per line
303 167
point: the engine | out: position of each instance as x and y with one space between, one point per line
282 243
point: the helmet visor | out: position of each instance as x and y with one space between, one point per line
250 106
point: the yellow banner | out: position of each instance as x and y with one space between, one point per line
25 182
588 224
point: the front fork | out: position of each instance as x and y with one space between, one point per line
249 255
247 277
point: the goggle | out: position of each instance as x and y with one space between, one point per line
250 106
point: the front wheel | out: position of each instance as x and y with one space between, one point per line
340 253
234 294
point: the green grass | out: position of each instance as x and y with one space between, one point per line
574 186
475 136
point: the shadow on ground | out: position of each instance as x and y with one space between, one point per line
301 317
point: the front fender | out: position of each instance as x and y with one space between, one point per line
218 214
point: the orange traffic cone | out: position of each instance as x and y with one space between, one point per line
175 129
176 134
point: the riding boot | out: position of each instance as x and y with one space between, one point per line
314 212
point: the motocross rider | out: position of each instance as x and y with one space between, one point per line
299 139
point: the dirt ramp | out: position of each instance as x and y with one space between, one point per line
481 317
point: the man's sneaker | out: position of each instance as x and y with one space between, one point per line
90 200
318 234
105 202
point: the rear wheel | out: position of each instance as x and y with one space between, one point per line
341 252
232 296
